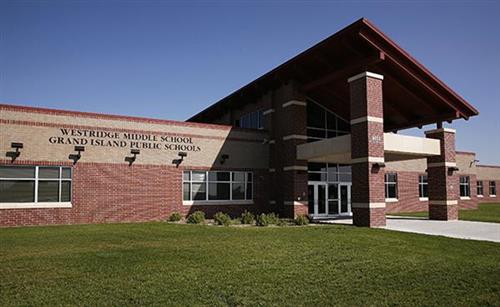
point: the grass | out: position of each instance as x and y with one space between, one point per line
193 265
484 213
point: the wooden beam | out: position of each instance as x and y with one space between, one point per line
343 72
411 74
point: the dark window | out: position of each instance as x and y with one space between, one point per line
391 185
217 185
253 120
464 186
423 186
493 188
480 189
35 184
322 123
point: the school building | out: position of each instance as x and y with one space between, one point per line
322 134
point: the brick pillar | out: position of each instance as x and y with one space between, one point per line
443 181
289 121
367 150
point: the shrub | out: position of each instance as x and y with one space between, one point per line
273 218
221 218
262 220
175 217
247 217
197 217
302 220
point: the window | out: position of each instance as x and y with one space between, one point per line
329 172
391 186
480 189
323 124
35 184
253 120
217 186
423 186
464 186
493 188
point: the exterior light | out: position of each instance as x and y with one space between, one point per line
452 169
132 159
182 155
379 165
223 158
78 155
15 154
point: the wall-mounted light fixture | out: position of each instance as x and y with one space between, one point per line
452 169
78 155
378 165
15 154
223 158
132 159
473 162
182 155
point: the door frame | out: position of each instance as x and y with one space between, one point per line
315 185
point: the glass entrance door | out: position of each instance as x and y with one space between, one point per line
317 199
329 199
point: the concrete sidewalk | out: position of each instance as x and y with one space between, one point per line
453 229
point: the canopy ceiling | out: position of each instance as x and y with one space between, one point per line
413 96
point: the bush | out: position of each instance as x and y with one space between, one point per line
262 220
175 217
273 218
247 217
197 217
221 218
302 220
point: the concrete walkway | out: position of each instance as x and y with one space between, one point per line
453 229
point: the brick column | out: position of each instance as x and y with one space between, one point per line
367 150
289 121
443 181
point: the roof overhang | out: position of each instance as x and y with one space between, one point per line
396 147
413 96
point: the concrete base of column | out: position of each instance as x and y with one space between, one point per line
368 217
443 213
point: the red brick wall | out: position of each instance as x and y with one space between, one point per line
486 194
106 193
408 195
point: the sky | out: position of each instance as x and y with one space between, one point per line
171 59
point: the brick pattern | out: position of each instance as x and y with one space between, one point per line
443 183
367 140
109 193
487 198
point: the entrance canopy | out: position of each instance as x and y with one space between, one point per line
413 96
396 147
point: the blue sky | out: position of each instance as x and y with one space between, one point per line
170 59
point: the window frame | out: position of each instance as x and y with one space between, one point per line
247 117
465 184
421 184
246 183
492 187
325 130
36 179
479 185
386 187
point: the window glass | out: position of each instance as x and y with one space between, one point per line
464 186
17 191
17 172
239 176
186 191
18 184
480 188
391 186
238 190
423 188
199 176
218 176
219 191
253 120
186 176
199 191
315 116
48 172
249 177
249 191
66 173
48 191
66 191
493 188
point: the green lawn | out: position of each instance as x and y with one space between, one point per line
167 264
484 213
